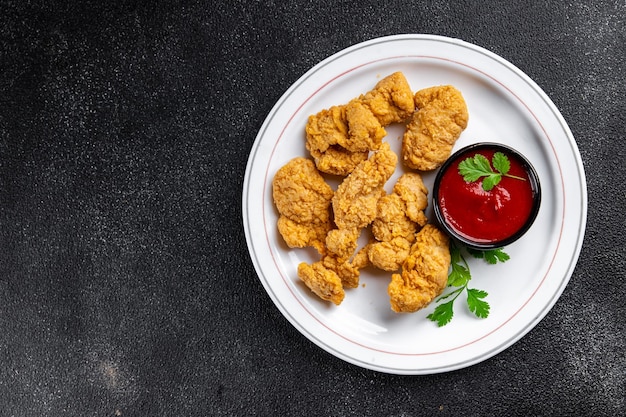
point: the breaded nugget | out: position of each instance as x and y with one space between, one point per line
342 242
337 160
348 272
399 216
440 118
365 133
302 235
390 254
394 233
324 131
340 137
412 191
355 208
424 272
391 220
303 200
326 128
391 100
352 126
354 202
322 281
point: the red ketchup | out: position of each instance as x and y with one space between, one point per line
488 217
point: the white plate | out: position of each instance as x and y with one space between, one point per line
505 106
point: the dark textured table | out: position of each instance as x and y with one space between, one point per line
126 288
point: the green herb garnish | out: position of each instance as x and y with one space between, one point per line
478 166
492 256
459 277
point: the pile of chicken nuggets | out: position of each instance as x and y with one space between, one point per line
347 141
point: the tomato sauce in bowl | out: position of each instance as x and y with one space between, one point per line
487 219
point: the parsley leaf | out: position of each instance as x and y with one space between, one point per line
473 168
459 274
491 256
478 166
442 314
491 181
475 303
501 163
459 277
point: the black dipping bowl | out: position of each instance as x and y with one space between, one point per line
534 184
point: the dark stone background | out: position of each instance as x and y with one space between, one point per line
126 288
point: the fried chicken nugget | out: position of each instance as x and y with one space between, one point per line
390 254
434 128
336 160
365 132
354 202
391 100
324 282
303 200
302 235
394 233
424 272
348 272
412 191
327 133
399 216
341 137
354 207
342 242
326 128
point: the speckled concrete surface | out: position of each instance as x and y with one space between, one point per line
126 288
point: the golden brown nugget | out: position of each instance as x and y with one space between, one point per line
324 133
424 272
355 208
302 235
365 133
340 137
412 191
336 160
390 254
354 202
342 242
399 216
434 128
348 272
303 200
394 233
391 100
322 281
325 128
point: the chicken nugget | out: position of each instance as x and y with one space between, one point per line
391 100
326 128
341 137
424 272
365 133
337 160
355 208
302 235
412 191
390 254
354 202
348 272
394 233
324 282
342 242
303 200
434 128
399 216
